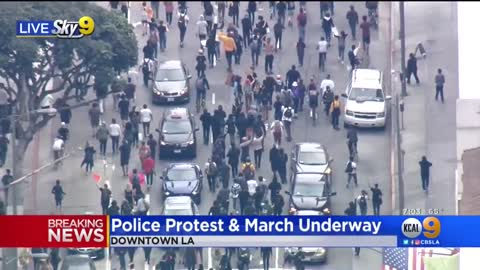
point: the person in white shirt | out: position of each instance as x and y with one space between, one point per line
361 201
327 82
58 146
252 186
351 170
287 118
322 53
115 132
146 117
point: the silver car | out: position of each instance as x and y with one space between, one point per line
171 83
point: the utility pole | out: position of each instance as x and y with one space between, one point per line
14 158
402 49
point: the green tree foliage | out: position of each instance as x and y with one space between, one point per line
27 65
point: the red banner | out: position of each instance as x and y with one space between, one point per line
54 231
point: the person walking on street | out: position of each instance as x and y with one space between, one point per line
229 46
206 119
233 158
351 171
278 205
3 149
352 211
266 254
287 119
105 196
302 24
322 48
425 173
365 26
376 199
168 11
282 165
327 25
162 35
88 158
124 150
182 26
342 38
146 116
277 33
412 68
352 18
202 28
211 172
113 210
58 195
148 166
361 201
300 51
94 115
115 132
352 58
6 180
251 9
124 108
257 147
246 30
143 152
335 111
255 44
102 136
235 192
439 82
269 51
190 258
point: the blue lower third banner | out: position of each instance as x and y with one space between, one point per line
294 231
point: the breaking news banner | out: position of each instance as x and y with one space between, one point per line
239 231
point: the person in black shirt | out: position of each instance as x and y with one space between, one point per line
352 211
58 194
425 172
206 119
162 34
247 30
201 64
152 144
292 76
6 180
352 58
88 158
124 108
113 210
252 8
105 195
412 68
281 8
376 199
300 51
211 49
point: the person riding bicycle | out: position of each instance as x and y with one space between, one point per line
202 86
352 141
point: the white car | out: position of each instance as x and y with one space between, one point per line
180 206
365 104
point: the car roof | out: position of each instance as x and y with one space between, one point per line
76 259
310 147
178 202
182 166
367 78
310 178
177 114
170 64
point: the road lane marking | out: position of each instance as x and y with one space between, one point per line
213 98
147 199
209 263
107 256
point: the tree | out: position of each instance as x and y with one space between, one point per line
27 65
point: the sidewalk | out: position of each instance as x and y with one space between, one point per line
429 126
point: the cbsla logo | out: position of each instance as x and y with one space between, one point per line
430 228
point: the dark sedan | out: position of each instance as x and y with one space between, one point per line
310 191
177 134
183 180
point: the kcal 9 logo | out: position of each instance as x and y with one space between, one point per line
412 227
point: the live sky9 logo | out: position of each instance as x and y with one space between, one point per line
85 26
430 227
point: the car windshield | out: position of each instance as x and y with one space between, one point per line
177 127
366 94
312 158
178 212
182 174
170 75
309 189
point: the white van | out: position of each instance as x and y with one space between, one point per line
365 104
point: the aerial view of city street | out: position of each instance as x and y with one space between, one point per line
235 108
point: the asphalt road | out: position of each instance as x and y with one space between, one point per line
373 147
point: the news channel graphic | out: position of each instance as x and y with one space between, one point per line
54 231
423 231
239 231
61 28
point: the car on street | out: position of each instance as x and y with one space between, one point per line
180 206
171 83
177 134
310 191
93 253
77 262
365 104
309 213
183 179
310 254
309 157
